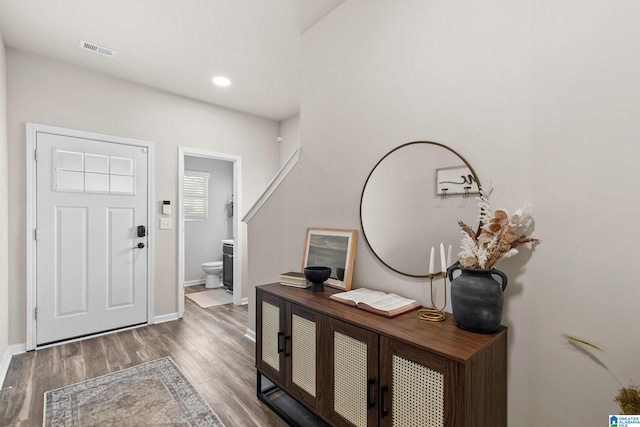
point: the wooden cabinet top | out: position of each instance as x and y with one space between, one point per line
442 338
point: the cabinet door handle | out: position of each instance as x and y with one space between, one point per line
370 402
280 349
286 353
383 410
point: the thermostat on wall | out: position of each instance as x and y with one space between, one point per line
166 207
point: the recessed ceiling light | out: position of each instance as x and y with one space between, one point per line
221 81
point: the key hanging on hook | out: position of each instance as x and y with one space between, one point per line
466 193
443 196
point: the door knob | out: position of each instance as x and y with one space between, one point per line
140 246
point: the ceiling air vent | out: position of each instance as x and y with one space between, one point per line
97 49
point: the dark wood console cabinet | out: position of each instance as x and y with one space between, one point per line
342 366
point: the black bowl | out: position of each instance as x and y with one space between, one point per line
317 276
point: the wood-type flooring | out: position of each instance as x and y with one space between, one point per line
208 344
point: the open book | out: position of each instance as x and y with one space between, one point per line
378 302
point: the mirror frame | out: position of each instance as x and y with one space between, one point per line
364 233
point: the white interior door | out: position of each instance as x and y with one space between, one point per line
91 256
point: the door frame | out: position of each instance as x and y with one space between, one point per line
32 129
238 233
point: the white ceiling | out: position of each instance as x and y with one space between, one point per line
178 45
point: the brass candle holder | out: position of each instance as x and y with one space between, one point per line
435 314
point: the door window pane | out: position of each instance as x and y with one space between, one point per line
96 163
121 184
93 173
68 160
96 183
69 181
121 166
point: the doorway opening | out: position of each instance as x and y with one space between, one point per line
228 211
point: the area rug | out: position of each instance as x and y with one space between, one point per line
211 298
151 394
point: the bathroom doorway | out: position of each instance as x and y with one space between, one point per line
200 240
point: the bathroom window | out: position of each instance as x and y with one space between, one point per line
196 195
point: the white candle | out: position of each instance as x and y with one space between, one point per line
443 260
449 256
431 260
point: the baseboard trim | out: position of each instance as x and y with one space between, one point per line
165 318
251 335
11 351
18 349
194 283
244 301
4 367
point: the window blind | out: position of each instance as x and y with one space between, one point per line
196 195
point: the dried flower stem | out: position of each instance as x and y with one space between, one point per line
585 342
628 398
467 230
522 240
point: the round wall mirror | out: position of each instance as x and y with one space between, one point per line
412 200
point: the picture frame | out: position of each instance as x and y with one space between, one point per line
456 180
334 248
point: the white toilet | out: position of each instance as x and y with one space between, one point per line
214 271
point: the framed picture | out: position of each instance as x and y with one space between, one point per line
455 180
333 248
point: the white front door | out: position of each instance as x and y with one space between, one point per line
91 225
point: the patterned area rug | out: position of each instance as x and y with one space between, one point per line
218 296
151 394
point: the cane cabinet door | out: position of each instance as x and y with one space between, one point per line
352 373
416 387
302 353
270 337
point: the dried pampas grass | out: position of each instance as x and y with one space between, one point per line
497 238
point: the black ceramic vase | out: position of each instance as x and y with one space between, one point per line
477 297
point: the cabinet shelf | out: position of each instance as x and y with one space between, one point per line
286 406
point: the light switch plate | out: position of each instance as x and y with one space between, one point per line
166 224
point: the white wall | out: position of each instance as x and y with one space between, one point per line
542 99
585 99
290 134
4 197
203 239
52 93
